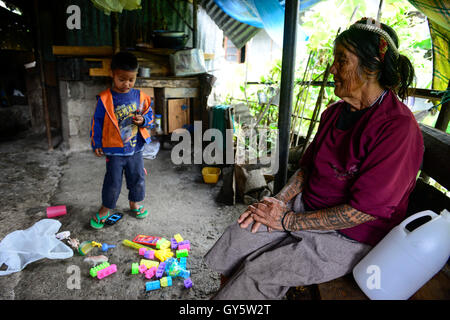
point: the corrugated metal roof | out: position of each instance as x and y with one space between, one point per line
239 33
135 25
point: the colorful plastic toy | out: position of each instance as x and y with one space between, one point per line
184 273
182 253
163 243
142 268
96 244
146 240
152 285
186 246
188 283
173 244
106 247
183 262
85 247
178 237
93 271
166 281
163 254
160 270
134 268
142 251
133 245
106 271
149 254
149 263
150 272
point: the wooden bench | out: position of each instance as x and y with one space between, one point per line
424 197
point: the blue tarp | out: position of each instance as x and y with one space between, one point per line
265 14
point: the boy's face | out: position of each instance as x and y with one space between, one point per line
123 80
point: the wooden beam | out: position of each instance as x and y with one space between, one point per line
163 82
437 154
82 51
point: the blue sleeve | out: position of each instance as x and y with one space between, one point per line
97 125
149 117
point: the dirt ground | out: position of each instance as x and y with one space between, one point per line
32 178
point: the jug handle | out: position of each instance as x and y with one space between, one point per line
414 217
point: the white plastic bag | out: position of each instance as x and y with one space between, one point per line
151 150
22 247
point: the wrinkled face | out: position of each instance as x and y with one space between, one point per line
123 80
347 76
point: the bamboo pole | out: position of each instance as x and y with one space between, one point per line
300 93
115 34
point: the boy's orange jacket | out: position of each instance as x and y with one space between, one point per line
105 131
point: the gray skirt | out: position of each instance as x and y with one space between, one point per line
264 265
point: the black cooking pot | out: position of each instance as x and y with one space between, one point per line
170 39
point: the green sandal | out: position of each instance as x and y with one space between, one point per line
140 215
97 224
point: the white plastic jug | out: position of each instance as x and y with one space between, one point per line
403 261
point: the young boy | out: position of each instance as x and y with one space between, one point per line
119 131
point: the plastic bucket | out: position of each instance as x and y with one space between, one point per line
210 174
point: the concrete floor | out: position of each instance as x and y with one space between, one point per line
31 178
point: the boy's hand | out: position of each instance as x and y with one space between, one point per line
138 120
99 152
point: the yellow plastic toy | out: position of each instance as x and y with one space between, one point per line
178 237
163 254
149 263
96 244
133 245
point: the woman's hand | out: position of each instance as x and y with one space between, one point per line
271 214
246 217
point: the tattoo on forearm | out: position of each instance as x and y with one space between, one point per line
293 187
339 217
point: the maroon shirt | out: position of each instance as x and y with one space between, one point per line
372 166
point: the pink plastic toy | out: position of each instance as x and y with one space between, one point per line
150 272
142 251
107 271
56 211
142 268
186 246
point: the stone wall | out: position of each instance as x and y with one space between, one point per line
78 101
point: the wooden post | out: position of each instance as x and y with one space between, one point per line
115 34
444 114
194 24
40 62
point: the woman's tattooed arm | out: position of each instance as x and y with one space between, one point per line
335 218
293 187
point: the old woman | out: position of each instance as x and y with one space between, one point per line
352 186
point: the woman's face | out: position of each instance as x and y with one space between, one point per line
348 80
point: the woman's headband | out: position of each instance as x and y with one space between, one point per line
385 39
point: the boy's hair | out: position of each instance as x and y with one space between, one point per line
124 61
